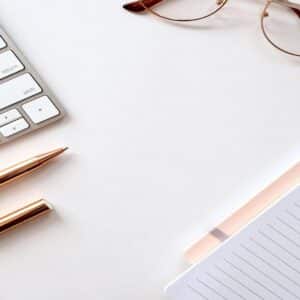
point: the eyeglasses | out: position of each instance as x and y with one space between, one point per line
280 19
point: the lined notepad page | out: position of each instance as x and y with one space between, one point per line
260 262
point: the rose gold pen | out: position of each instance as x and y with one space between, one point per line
31 210
24 215
27 166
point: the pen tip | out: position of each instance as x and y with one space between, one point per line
51 154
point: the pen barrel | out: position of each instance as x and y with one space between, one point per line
26 167
18 170
24 214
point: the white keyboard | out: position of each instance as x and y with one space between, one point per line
26 103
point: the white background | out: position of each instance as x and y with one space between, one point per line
170 129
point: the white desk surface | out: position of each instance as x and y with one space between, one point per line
170 128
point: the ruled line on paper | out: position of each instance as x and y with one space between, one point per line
226 286
278 245
274 255
212 289
297 205
266 276
283 235
240 283
197 292
292 215
253 279
270 265
282 221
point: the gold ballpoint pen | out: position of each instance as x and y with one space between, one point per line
27 166
31 210
24 214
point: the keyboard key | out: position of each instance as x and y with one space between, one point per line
9 116
14 127
24 105
40 110
2 43
9 64
18 89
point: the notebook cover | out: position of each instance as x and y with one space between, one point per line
244 215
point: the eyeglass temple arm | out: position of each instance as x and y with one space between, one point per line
297 11
294 6
138 7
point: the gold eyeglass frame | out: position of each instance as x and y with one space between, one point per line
146 5
149 9
264 15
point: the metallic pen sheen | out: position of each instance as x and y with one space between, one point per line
24 214
27 166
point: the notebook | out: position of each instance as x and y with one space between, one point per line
244 215
262 261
